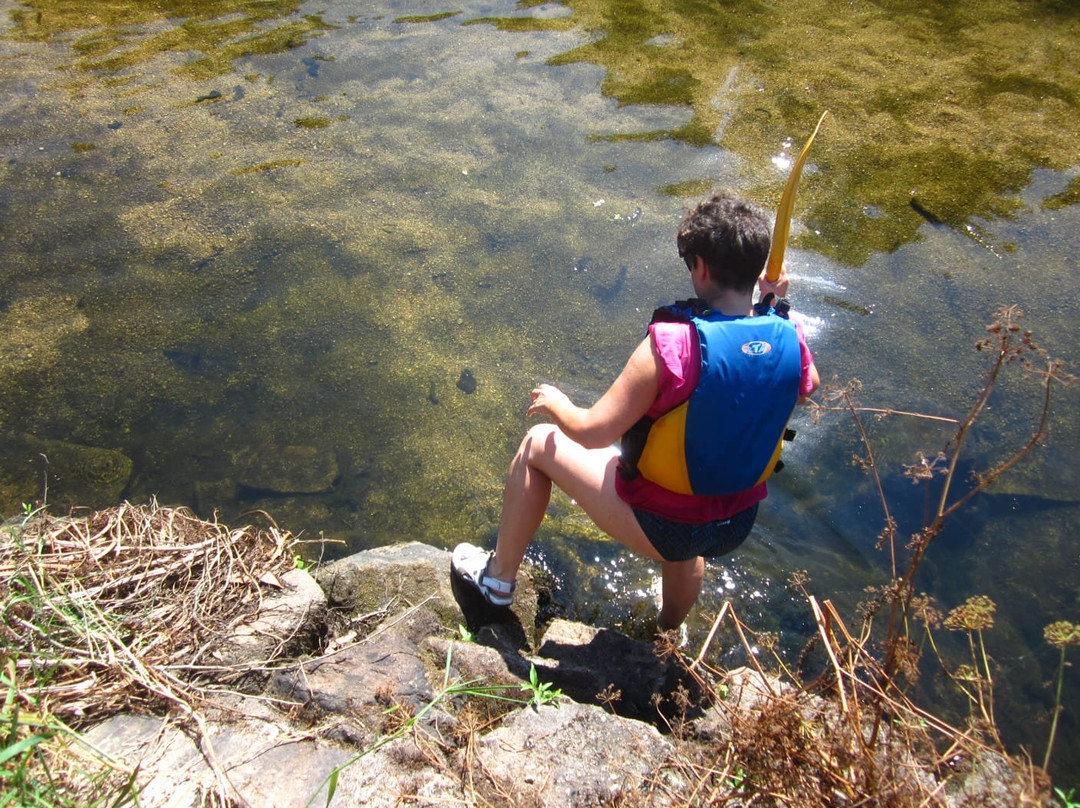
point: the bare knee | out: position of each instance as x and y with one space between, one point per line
541 433
539 441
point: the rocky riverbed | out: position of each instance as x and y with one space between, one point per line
374 683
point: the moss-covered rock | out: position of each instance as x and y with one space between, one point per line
63 474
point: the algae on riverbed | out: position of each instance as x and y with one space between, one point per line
952 103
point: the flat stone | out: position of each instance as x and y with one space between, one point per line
472 662
385 666
174 773
289 621
267 765
583 661
570 756
392 577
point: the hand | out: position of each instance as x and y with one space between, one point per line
546 399
779 287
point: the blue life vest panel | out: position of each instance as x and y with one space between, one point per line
726 437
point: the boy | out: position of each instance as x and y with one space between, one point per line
700 408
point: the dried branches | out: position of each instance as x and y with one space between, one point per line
99 610
98 606
787 745
1007 344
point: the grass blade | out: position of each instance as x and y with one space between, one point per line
18 748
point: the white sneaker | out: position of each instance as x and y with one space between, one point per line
470 563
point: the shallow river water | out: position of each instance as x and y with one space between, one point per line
309 259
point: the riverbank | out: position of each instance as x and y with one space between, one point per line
151 653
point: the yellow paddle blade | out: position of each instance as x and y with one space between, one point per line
783 214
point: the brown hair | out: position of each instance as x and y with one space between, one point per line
732 235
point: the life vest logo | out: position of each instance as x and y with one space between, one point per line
757 347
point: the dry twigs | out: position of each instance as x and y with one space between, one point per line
100 610
789 746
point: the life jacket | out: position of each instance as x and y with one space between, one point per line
727 436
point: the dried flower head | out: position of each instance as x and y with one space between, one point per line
876 597
907 659
769 641
977 614
924 468
1062 633
834 391
922 606
887 534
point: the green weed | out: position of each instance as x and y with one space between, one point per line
541 692
45 763
1067 798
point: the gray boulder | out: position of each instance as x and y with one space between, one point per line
569 756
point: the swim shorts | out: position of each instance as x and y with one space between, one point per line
681 541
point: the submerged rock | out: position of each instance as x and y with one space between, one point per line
284 469
63 474
466 382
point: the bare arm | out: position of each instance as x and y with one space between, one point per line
817 382
628 398
779 287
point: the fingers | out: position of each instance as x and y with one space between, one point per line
779 287
542 397
537 400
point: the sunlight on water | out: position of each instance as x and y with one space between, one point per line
783 162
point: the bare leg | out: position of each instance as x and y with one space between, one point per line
547 456
680 589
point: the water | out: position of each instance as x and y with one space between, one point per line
252 256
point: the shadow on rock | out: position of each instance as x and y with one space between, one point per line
478 614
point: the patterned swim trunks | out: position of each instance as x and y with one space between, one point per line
681 541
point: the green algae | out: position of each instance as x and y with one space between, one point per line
312 122
269 165
632 137
222 50
958 102
109 38
521 25
1070 196
690 189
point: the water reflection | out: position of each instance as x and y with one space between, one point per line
244 272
